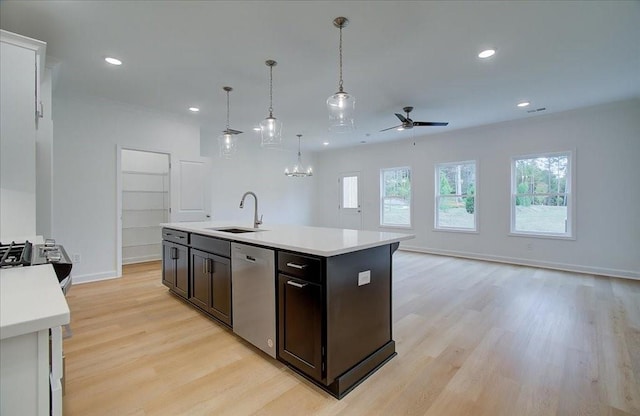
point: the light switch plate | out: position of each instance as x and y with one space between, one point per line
364 278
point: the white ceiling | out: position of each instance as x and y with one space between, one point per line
556 54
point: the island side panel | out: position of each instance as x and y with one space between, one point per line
358 316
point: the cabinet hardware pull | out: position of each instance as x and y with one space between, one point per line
297 266
174 253
210 265
204 266
250 259
180 237
296 284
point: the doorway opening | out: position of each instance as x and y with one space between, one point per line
145 204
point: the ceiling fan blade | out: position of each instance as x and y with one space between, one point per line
394 127
401 117
430 123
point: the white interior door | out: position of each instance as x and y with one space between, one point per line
349 204
192 194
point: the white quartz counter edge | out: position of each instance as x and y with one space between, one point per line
30 300
319 241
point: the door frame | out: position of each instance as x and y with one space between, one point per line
118 213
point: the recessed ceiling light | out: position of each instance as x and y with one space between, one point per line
257 129
325 143
113 61
523 104
194 109
487 53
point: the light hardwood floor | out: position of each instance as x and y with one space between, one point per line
473 338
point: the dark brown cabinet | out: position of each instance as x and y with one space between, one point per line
175 268
211 276
211 284
300 324
334 315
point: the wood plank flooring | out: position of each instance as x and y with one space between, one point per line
473 338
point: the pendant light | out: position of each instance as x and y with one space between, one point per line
298 170
341 105
228 140
270 127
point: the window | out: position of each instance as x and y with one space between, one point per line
456 196
350 191
395 201
541 195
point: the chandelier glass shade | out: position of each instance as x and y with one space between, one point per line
270 127
298 170
341 105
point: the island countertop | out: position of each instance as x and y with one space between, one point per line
30 300
319 241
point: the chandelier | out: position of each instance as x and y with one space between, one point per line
298 170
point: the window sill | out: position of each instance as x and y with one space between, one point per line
543 236
457 230
402 227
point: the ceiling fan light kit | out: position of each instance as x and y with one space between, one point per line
298 170
341 105
270 127
228 142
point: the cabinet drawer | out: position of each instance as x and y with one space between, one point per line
304 267
180 237
211 245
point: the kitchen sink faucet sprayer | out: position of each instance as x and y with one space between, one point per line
256 221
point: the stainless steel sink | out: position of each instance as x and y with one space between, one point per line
235 230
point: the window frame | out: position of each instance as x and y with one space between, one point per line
437 196
382 197
569 195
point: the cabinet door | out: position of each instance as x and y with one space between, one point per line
182 271
168 265
199 295
300 324
220 286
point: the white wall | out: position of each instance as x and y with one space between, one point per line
606 141
87 132
281 199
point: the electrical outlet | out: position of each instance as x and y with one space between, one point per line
364 278
76 258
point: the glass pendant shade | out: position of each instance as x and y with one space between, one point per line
271 131
228 144
341 107
298 170
270 127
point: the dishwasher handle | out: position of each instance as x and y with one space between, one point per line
248 258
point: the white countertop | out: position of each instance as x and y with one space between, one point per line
324 242
30 300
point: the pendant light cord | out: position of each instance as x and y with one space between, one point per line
227 110
340 83
271 91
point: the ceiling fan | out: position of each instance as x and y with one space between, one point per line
407 123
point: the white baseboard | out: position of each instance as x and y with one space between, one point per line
94 277
141 259
625 274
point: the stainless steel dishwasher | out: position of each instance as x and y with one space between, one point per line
254 295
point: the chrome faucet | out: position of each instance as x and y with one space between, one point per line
256 221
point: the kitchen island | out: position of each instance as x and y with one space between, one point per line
329 292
